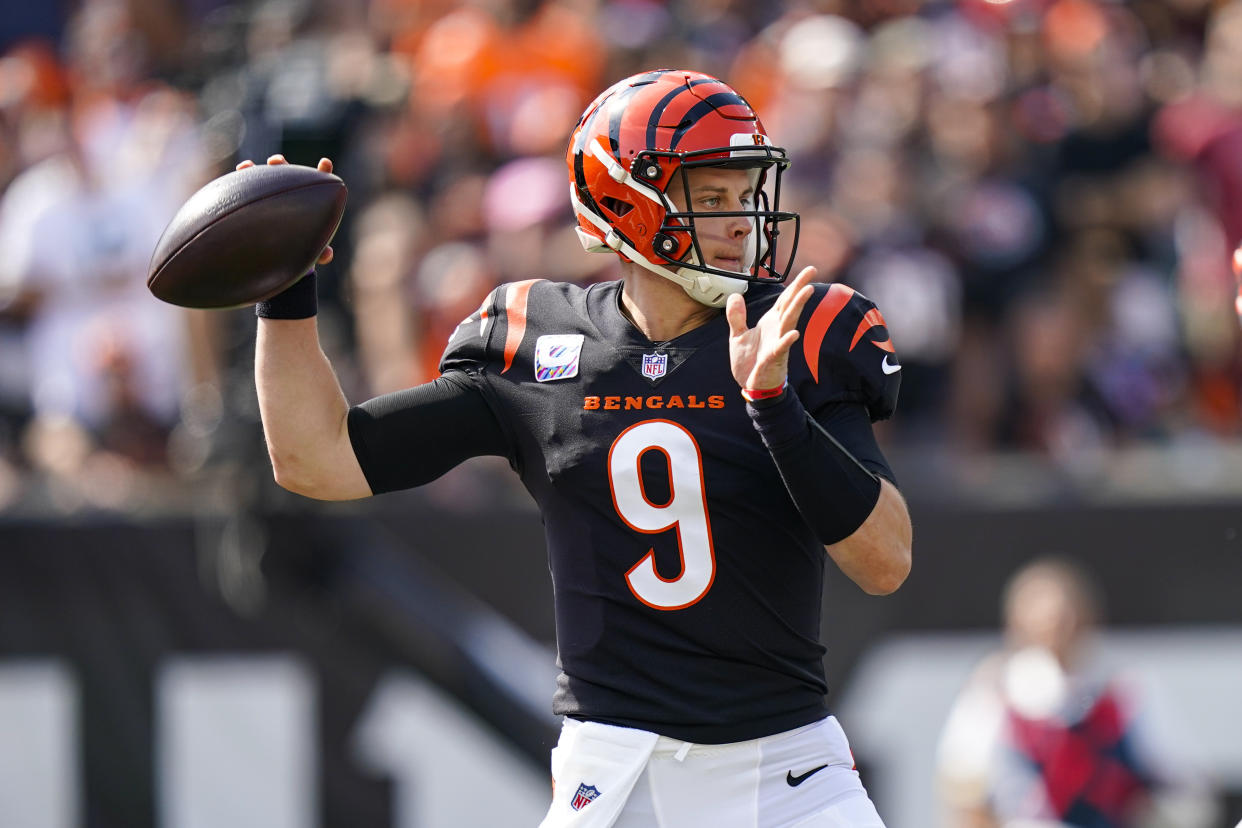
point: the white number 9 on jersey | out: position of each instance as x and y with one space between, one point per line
686 511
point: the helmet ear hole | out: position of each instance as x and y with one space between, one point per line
665 243
648 169
615 206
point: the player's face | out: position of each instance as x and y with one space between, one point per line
715 190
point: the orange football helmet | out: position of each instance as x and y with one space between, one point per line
624 153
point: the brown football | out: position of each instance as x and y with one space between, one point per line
246 236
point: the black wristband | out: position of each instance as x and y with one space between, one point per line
298 301
834 492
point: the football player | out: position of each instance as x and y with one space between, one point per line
698 438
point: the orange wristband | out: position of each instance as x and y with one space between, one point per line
752 394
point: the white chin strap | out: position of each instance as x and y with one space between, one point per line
711 289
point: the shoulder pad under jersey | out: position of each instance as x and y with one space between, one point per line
493 332
847 351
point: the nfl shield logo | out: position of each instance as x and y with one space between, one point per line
654 365
583 797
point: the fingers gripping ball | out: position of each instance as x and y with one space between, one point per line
246 236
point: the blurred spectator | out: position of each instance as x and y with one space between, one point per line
519 69
1046 733
105 367
389 238
1043 194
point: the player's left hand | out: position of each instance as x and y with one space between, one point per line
759 356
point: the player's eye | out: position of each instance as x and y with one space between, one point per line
710 202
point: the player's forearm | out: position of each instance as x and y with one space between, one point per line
858 516
304 413
834 492
877 556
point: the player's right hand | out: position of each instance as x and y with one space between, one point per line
759 356
325 165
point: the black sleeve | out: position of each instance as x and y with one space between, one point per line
411 437
850 425
833 488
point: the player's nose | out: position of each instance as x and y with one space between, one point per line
738 227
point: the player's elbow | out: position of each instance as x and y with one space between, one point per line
330 473
289 478
889 573
884 543
878 566
294 474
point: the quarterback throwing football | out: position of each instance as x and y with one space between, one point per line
698 439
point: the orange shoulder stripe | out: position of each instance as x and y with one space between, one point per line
837 297
868 322
515 318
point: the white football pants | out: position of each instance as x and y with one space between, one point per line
614 776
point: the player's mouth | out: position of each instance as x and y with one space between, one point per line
733 263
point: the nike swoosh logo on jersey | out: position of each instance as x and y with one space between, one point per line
888 367
795 781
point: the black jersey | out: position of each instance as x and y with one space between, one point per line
687 585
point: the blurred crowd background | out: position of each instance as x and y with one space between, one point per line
1041 195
